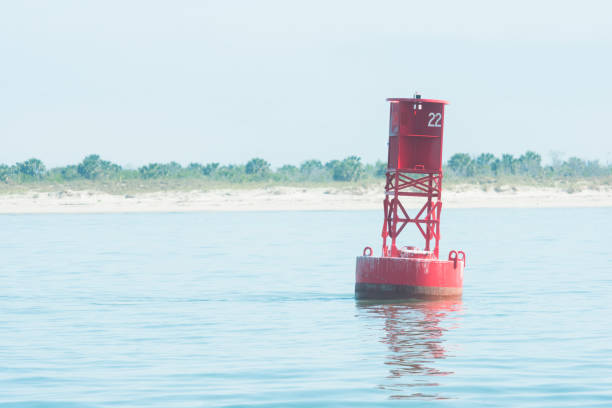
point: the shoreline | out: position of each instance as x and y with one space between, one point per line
288 199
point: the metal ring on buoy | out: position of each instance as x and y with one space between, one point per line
367 251
453 258
462 258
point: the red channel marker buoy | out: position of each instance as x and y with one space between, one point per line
414 169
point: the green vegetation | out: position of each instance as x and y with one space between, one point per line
508 171
527 165
484 170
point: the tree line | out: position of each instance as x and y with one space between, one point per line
459 166
95 168
528 164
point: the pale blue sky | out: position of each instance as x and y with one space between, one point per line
144 81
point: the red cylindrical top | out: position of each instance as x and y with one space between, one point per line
416 128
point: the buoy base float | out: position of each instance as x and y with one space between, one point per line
409 276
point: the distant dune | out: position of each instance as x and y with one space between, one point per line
291 199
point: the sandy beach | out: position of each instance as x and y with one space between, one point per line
287 199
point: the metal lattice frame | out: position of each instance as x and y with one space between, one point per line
402 183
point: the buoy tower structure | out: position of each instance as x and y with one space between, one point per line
414 169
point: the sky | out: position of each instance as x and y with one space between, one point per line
226 81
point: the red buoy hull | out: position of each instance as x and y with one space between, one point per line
402 278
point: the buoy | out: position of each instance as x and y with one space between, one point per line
414 169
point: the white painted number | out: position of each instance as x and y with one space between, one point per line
434 119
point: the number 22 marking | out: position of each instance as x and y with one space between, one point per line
434 119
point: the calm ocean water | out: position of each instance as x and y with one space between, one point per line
257 309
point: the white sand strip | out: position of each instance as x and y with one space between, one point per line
287 199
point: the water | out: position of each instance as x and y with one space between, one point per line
257 309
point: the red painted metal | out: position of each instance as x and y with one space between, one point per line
414 169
